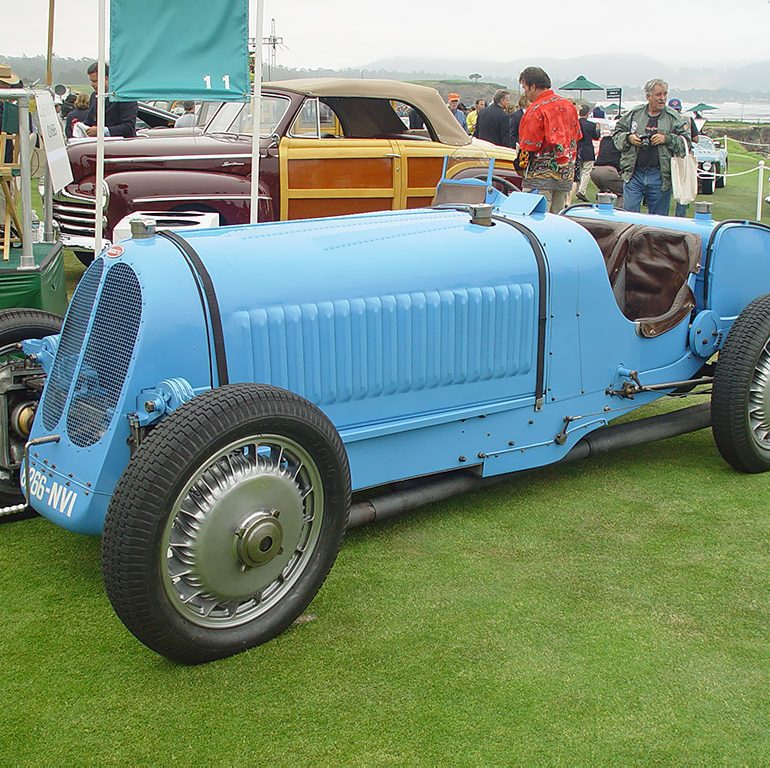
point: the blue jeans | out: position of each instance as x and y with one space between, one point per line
646 184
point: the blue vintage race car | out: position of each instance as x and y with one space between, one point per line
712 164
212 400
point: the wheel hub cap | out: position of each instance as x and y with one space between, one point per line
258 539
242 531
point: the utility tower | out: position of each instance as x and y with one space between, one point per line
272 43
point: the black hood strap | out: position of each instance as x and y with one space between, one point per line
200 273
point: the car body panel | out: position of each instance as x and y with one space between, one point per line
432 341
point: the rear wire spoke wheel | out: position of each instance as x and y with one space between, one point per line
740 401
226 522
16 325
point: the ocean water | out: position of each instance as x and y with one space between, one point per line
731 110
744 112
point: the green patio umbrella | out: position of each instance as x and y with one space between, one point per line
581 83
701 107
612 108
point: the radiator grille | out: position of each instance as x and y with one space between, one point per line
70 344
107 357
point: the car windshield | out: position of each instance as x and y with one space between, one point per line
234 117
705 144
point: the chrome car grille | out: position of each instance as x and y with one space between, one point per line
74 214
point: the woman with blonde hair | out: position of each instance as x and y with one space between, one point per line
77 115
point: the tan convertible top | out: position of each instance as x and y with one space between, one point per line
426 100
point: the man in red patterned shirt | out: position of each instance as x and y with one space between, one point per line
548 137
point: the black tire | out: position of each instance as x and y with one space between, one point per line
706 185
740 401
19 324
84 257
721 180
227 450
16 325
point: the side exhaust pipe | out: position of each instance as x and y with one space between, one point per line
410 495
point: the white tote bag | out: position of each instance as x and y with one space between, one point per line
684 178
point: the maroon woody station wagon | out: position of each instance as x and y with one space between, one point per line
328 147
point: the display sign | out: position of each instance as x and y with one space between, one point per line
613 93
53 141
179 49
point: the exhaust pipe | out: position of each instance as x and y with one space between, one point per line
412 494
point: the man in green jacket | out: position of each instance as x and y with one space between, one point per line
648 137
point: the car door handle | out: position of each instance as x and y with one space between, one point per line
392 154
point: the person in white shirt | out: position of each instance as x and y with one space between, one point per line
187 118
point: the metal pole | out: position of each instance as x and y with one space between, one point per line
256 111
49 65
99 183
48 207
25 158
760 185
48 188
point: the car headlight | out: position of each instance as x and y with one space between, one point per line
707 166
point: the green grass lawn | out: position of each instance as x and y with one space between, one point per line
610 612
613 612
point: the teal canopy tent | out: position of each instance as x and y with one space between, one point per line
581 83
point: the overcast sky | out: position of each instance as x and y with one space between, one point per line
340 33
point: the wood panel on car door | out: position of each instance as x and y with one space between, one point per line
422 163
336 176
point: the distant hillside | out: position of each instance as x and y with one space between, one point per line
630 72
32 68
743 84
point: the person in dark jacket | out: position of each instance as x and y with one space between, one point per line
586 155
606 171
415 119
119 116
523 103
494 123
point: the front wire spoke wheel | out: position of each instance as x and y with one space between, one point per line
226 522
242 531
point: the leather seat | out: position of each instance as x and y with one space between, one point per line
650 285
648 269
